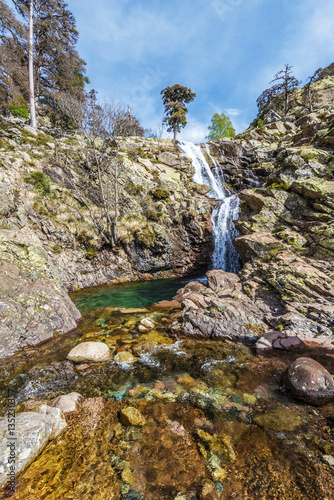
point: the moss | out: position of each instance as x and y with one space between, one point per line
57 249
19 107
154 215
146 235
281 186
160 193
258 329
40 181
40 208
134 189
91 253
42 139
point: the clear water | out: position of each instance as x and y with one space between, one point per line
130 295
225 256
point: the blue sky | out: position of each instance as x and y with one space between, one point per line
226 51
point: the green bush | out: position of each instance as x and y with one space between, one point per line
146 235
154 215
19 107
134 189
160 193
260 123
40 181
91 253
57 249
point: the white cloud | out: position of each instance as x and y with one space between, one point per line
233 112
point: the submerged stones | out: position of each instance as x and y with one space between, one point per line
32 432
125 357
281 419
89 351
132 416
309 381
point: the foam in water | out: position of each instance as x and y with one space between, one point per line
226 210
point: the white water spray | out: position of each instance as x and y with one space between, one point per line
226 210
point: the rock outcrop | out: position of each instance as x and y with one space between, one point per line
49 242
283 171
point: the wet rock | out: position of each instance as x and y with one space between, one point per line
281 419
220 280
132 416
69 403
147 323
32 432
58 419
34 303
309 381
89 351
125 357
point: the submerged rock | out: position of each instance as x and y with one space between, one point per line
131 416
89 351
32 432
309 381
125 357
69 403
281 419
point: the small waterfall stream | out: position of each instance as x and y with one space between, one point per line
225 256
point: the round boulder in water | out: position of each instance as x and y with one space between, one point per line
89 351
309 381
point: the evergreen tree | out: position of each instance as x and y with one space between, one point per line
174 99
221 126
50 51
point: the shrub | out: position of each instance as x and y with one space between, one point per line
40 181
154 215
19 107
91 253
146 235
160 193
260 123
57 249
134 189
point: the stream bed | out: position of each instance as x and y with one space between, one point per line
218 424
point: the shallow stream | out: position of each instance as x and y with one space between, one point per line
218 422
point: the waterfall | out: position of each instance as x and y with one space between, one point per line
225 256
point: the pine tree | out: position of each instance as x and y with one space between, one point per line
174 99
50 51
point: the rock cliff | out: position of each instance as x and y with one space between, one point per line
283 298
49 243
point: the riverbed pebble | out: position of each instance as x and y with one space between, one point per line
132 416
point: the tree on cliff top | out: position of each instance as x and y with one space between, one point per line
221 126
279 93
174 99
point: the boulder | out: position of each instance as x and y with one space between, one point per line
32 432
89 351
309 381
58 419
220 280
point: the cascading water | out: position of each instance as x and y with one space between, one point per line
226 210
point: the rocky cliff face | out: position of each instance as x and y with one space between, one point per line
284 296
164 227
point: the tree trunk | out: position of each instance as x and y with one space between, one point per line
33 121
175 131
